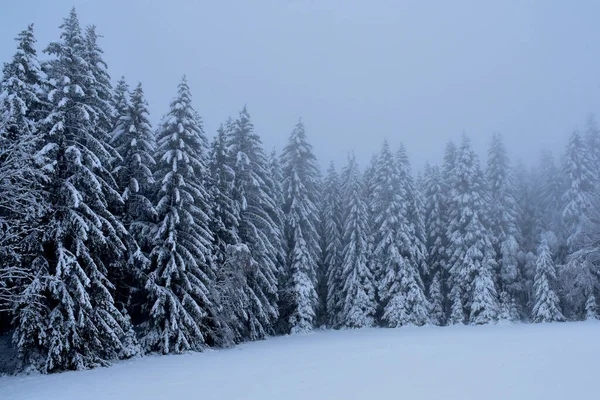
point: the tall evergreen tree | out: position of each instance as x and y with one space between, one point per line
225 212
74 323
471 254
415 208
332 239
100 92
21 198
259 228
436 209
358 290
301 180
401 288
181 278
121 104
580 189
503 214
547 307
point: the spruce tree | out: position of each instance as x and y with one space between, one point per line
74 323
435 221
225 213
470 252
259 227
415 208
401 288
332 215
503 213
300 186
547 307
358 290
581 186
22 201
134 140
181 278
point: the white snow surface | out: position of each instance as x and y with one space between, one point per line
537 361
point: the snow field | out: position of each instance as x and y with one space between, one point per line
536 361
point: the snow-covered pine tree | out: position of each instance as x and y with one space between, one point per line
551 189
134 140
21 198
181 277
300 188
358 289
120 102
332 215
547 306
225 213
581 186
470 250
503 214
592 139
276 192
414 212
578 277
400 288
74 323
100 93
435 191
450 154
529 200
258 225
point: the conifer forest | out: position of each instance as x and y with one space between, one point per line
120 238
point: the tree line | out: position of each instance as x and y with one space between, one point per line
119 239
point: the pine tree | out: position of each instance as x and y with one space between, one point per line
332 239
134 140
259 227
181 279
121 102
225 213
435 221
21 198
581 186
592 139
301 180
74 323
358 291
436 301
503 214
551 191
471 254
100 92
591 309
546 308
401 287
415 208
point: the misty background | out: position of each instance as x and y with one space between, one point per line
357 72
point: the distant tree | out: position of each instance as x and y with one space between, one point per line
471 254
332 214
547 307
503 212
401 288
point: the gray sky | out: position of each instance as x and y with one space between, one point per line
357 71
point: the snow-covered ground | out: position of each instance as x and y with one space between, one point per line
553 361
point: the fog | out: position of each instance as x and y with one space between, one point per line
357 72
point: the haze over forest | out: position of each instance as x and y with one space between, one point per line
356 72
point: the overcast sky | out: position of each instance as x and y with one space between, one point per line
356 71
